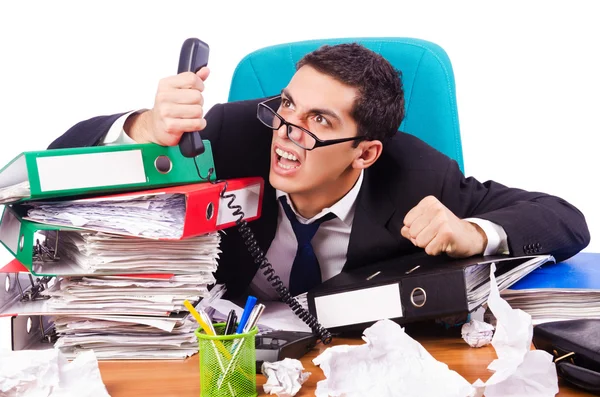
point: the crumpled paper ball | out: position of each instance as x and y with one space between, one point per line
477 333
48 373
285 377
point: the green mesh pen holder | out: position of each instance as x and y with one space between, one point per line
227 363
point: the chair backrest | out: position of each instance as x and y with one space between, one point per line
427 78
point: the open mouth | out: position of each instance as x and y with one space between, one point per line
286 160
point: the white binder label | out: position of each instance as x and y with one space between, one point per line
80 171
361 306
247 197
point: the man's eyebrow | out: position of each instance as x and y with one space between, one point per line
325 112
287 94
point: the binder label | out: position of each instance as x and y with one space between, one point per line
360 306
89 170
248 198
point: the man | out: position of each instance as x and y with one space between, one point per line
328 147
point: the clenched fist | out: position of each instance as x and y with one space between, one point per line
178 108
432 226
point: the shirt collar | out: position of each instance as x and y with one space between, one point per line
343 208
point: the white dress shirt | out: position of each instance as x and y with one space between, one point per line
330 243
116 135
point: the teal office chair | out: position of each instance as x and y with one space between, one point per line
427 78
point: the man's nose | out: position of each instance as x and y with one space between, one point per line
282 132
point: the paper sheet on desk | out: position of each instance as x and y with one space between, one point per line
518 371
277 316
391 363
47 373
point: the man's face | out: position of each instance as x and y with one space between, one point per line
321 105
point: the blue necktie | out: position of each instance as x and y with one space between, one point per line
306 272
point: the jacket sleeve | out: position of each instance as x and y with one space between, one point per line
85 133
535 223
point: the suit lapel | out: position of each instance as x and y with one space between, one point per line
269 216
376 227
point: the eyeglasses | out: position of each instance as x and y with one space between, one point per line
300 136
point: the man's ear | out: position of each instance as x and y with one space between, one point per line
367 153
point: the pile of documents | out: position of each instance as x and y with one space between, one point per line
105 253
111 270
477 278
555 304
153 216
12 192
127 337
135 294
133 316
567 290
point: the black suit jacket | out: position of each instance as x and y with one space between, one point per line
407 171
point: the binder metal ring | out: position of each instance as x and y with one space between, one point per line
21 242
419 293
163 164
7 282
210 211
29 325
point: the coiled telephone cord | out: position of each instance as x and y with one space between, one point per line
259 258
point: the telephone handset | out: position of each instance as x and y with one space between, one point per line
194 55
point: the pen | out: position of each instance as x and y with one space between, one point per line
207 320
209 330
254 316
247 310
252 321
230 324
199 319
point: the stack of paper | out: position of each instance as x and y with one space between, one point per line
560 291
117 238
127 317
14 192
128 301
132 295
159 328
127 337
478 282
554 304
105 253
162 214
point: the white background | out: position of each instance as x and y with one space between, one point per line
527 72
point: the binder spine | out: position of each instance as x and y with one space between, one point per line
25 330
28 241
407 299
22 287
30 331
201 210
434 295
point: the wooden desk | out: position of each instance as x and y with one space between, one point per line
182 379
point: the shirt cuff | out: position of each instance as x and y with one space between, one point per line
497 240
116 134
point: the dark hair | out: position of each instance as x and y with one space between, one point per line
379 108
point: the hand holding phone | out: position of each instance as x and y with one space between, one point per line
193 57
177 106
